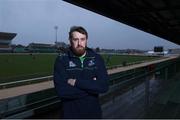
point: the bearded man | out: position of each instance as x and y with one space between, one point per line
80 76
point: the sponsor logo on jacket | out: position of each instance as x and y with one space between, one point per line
72 64
91 63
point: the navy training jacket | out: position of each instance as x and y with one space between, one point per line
81 100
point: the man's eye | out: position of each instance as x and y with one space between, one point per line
83 39
75 39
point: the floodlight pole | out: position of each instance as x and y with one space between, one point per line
56 28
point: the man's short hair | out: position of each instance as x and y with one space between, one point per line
78 29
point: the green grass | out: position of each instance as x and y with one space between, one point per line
15 67
119 59
20 66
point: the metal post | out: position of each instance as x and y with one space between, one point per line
175 68
113 98
147 94
166 74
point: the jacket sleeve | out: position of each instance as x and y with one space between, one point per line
100 85
63 89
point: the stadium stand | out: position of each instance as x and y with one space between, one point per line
19 48
5 41
41 48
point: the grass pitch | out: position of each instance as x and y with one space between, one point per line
23 66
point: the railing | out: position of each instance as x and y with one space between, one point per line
25 82
25 109
25 105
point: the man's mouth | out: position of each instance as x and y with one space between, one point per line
79 50
80 47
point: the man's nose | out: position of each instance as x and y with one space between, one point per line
79 43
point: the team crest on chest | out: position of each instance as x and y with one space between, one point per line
91 63
72 64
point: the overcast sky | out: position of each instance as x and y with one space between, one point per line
34 21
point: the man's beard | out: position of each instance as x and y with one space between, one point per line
79 51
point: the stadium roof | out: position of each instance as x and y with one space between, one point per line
7 36
158 17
